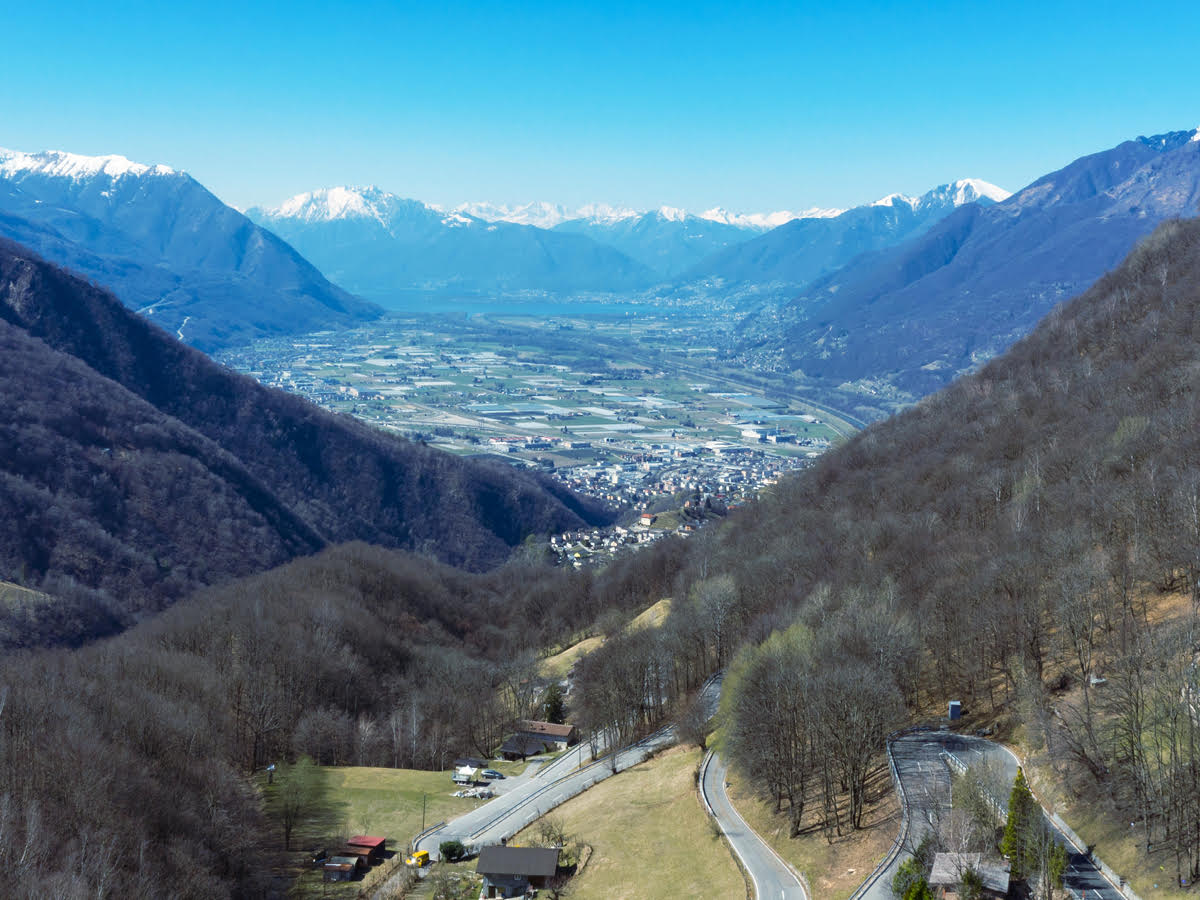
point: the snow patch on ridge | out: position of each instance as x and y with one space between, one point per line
538 213
766 221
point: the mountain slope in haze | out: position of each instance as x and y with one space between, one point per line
135 468
915 315
801 250
167 247
380 245
667 241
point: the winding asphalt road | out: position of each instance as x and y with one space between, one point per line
923 760
553 784
773 879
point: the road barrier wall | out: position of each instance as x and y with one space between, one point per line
898 843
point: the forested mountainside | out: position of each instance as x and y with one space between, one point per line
167 247
134 469
998 543
126 761
1008 538
903 322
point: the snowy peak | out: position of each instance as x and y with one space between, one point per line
363 205
955 194
897 200
331 204
57 164
971 190
671 214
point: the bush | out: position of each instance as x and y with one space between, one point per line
452 851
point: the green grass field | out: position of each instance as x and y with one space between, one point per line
649 834
384 802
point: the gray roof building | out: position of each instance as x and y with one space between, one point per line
948 869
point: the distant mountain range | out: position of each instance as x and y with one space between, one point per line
215 277
133 469
801 250
667 241
887 301
902 321
167 247
380 245
550 215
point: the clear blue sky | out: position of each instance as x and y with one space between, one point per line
685 104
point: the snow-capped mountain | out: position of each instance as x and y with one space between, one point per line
923 311
955 194
672 241
166 246
57 164
383 246
805 248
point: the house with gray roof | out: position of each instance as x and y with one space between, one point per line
512 871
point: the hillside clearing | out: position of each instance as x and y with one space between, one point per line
366 800
557 666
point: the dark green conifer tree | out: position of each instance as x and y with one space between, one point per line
1022 829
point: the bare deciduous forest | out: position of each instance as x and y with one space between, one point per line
134 470
999 543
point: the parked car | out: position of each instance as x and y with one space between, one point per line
492 773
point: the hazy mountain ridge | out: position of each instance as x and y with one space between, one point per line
550 215
167 247
177 472
668 241
378 244
915 315
802 250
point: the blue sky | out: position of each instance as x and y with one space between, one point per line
685 104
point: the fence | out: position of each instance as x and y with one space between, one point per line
898 843
1001 808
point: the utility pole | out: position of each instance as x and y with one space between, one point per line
423 795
